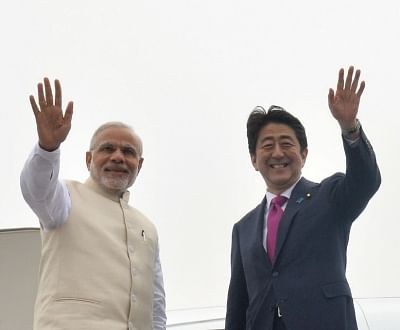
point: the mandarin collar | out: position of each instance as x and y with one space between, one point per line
98 189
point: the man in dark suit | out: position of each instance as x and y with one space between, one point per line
288 271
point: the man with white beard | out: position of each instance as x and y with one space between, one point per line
100 266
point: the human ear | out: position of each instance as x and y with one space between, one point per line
253 158
88 159
140 164
304 154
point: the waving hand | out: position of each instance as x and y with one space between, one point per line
52 124
345 101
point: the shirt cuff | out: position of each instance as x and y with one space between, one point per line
51 156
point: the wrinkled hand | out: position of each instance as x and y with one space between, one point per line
344 103
52 125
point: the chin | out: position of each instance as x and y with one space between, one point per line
281 185
115 184
279 181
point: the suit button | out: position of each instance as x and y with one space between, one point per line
275 274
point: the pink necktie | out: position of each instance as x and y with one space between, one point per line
273 219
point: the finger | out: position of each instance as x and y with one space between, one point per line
34 105
361 89
69 112
58 97
340 79
42 101
354 84
48 91
331 96
349 78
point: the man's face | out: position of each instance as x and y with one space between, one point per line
278 157
115 160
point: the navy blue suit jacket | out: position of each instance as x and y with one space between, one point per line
307 278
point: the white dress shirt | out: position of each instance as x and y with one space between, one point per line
269 196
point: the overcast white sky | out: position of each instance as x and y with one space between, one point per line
185 74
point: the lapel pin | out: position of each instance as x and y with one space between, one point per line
299 200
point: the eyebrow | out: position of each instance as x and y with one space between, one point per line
116 145
280 137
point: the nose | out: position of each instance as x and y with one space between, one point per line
117 156
277 152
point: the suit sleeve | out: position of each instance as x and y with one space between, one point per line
237 295
362 178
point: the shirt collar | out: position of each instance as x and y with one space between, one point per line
269 195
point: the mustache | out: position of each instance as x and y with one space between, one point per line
117 168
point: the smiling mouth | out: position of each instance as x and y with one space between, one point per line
278 166
116 170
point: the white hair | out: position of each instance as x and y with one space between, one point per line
112 124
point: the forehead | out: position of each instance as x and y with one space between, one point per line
276 131
118 135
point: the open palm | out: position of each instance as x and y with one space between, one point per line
345 101
52 125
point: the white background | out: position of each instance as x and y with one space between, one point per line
186 74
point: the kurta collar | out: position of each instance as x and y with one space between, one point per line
97 188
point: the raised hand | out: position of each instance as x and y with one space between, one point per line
52 125
344 103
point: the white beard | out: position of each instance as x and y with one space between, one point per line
119 184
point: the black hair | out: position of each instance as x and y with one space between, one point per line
259 118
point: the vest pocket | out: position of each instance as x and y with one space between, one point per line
76 300
78 313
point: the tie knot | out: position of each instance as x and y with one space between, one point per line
279 200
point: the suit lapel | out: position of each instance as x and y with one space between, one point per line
259 247
299 197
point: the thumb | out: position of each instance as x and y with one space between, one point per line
331 97
69 112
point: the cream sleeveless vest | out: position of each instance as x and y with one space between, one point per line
96 270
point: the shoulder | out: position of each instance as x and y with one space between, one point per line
305 189
305 184
72 183
76 188
254 213
329 180
326 186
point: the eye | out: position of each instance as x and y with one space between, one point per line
287 144
107 148
267 146
129 151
